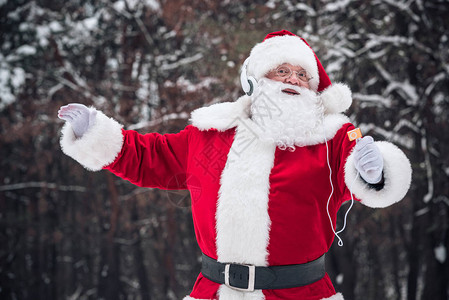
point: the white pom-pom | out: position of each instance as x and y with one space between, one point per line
336 98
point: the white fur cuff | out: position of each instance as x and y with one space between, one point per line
397 174
98 147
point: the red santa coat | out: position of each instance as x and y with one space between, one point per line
252 203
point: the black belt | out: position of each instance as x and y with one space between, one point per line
249 278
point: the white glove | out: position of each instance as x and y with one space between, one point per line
80 117
368 160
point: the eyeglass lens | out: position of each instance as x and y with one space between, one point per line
287 72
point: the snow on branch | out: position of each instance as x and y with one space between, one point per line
163 119
292 8
334 6
378 100
405 7
436 79
406 90
390 135
430 184
42 184
183 61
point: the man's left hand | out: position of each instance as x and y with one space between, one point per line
368 160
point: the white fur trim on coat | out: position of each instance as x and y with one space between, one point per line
224 116
397 175
98 147
337 296
277 50
221 116
336 99
242 219
225 293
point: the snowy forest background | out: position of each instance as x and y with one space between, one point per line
66 233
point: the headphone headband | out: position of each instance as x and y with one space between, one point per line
249 83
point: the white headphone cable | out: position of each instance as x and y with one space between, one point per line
340 241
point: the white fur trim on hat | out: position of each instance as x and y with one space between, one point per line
278 50
397 175
98 147
336 99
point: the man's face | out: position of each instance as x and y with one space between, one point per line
294 75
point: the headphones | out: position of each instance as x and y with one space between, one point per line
249 83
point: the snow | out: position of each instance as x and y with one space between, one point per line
377 55
11 81
291 8
55 26
339 278
88 23
335 65
112 63
271 4
143 92
438 104
422 211
406 90
152 4
132 4
24 27
42 34
17 77
310 11
336 5
183 61
163 119
169 35
440 253
430 184
189 87
7 96
405 7
374 98
135 66
121 5
26 50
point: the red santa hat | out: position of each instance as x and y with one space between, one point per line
285 47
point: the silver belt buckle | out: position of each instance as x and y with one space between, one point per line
251 279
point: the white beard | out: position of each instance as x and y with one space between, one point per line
287 120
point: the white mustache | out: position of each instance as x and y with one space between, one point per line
280 86
296 88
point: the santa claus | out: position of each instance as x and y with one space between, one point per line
274 168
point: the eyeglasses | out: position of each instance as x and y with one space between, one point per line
286 72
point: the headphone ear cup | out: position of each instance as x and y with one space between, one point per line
253 85
249 83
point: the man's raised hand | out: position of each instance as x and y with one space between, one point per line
80 117
368 160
